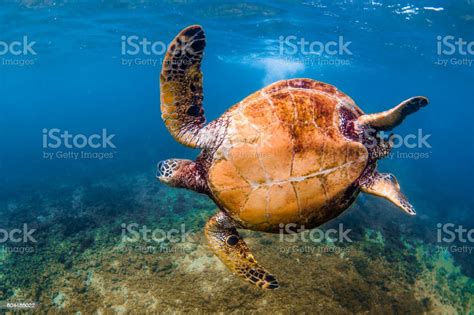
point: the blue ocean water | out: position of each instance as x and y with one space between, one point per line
88 72
78 82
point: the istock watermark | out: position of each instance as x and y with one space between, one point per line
454 51
17 235
313 250
141 51
316 241
134 232
11 239
18 52
449 233
414 145
332 52
292 232
63 144
140 238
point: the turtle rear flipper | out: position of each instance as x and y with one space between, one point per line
386 186
231 249
391 118
181 86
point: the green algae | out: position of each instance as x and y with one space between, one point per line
82 263
450 285
374 236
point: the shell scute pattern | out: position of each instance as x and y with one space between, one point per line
284 158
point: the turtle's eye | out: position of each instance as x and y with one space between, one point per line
232 240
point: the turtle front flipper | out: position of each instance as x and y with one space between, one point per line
231 249
181 86
391 118
386 186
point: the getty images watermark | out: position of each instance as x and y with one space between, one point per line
18 53
62 144
449 233
414 145
154 240
293 233
334 52
12 239
141 51
454 51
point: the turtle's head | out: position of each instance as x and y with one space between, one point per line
168 171
182 173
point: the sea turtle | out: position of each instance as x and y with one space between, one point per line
295 152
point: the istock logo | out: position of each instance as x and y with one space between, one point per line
451 233
291 45
134 45
56 138
17 51
292 233
415 145
450 45
17 235
134 233
461 51
315 52
411 141
16 48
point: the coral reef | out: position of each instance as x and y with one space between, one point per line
132 244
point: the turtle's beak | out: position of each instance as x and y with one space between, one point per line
161 171
165 170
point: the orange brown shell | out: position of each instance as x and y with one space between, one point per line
285 159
